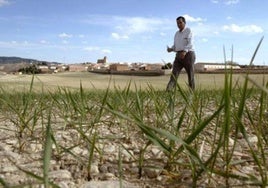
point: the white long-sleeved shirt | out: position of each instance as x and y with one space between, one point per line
183 40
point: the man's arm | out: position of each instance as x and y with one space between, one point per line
189 45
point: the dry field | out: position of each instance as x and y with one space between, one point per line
72 80
214 137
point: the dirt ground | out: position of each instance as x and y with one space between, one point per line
73 80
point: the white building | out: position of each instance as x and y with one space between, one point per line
214 66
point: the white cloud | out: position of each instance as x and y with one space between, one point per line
215 1
97 49
98 20
65 35
242 29
192 19
115 35
124 27
65 42
231 2
44 42
106 51
118 36
92 48
204 40
4 2
163 34
227 2
16 44
205 30
133 25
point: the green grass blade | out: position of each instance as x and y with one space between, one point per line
3 183
47 153
90 157
203 125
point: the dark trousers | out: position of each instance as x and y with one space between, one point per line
188 64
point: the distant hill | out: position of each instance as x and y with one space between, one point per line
13 64
12 60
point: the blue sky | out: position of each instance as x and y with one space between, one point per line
76 31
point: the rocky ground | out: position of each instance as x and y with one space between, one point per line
115 160
69 171
26 154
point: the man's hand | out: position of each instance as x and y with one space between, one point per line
169 49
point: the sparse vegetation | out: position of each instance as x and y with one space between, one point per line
208 136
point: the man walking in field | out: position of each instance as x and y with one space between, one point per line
185 55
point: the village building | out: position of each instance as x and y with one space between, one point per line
53 68
43 68
77 68
102 61
213 66
119 67
153 67
62 68
98 66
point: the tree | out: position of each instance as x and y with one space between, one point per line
32 69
